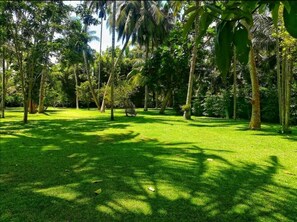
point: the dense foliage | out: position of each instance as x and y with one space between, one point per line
216 53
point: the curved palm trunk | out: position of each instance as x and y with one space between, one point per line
165 101
255 122
109 78
187 112
89 80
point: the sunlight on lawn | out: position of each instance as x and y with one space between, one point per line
78 166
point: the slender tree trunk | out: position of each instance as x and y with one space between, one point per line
146 94
76 87
283 97
109 78
25 94
145 97
23 84
113 63
287 97
286 91
20 59
99 65
42 91
3 85
156 98
255 122
165 101
187 112
234 87
31 103
32 108
89 80
279 80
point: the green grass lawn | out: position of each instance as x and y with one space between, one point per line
69 165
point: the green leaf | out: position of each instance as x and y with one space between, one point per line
205 20
290 19
214 9
189 24
287 5
191 9
223 46
242 43
275 14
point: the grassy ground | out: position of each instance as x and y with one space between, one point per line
70 165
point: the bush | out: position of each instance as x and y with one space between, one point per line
216 105
269 104
197 108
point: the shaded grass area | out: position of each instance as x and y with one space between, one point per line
74 165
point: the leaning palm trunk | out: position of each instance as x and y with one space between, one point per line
255 122
89 80
165 101
109 78
187 112
3 85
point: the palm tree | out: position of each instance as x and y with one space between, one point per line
145 23
100 8
112 60
76 44
187 111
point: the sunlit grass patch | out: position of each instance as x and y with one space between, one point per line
77 165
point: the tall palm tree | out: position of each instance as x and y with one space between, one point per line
144 23
112 60
100 7
78 51
187 111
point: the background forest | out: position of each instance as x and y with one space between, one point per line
231 59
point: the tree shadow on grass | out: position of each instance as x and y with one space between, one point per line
51 173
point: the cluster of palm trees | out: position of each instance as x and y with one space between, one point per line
141 22
146 23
